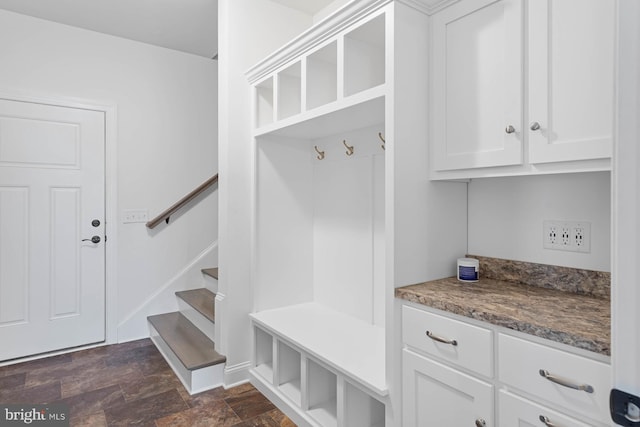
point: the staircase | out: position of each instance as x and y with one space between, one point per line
186 338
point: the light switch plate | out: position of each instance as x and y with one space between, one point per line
134 215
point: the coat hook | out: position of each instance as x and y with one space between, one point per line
349 147
320 153
382 139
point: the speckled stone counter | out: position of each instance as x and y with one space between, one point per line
579 320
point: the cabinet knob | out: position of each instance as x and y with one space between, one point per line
510 129
481 423
535 126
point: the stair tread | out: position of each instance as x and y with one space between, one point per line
189 344
202 300
213 272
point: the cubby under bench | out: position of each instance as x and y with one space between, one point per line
320 366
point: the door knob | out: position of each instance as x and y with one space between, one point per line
535 126
94 239
510 129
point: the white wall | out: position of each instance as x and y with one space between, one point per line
625 317
506 214
249 30
329 9
166 140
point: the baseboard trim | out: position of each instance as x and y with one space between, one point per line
237 374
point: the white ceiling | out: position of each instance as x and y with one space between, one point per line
309 6
186 25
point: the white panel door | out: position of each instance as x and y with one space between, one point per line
52 283
571 62
477 85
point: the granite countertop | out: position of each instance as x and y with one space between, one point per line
581 321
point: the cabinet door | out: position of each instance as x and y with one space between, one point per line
518 412
571 61
436 395
477 85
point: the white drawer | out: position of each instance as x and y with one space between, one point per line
437 395
520 364
516 411
473 347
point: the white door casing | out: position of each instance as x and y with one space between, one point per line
52 186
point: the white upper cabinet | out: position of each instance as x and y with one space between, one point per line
571 57
522 88
477 91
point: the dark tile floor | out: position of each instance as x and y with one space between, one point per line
131 385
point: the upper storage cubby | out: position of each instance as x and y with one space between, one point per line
334 71
289 91
322 76
264 102
364 57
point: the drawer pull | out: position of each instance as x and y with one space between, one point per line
545 420
565 382
481 423
440 339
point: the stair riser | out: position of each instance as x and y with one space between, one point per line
201 322
194 381
210 283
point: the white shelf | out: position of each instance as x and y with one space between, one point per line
325 414
291 390
358 111
265 371
348 345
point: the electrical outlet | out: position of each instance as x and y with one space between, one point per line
573 236
565 235
581 236
134 215
551 234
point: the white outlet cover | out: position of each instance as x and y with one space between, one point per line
571 236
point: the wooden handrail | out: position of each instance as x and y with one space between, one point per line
164 216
